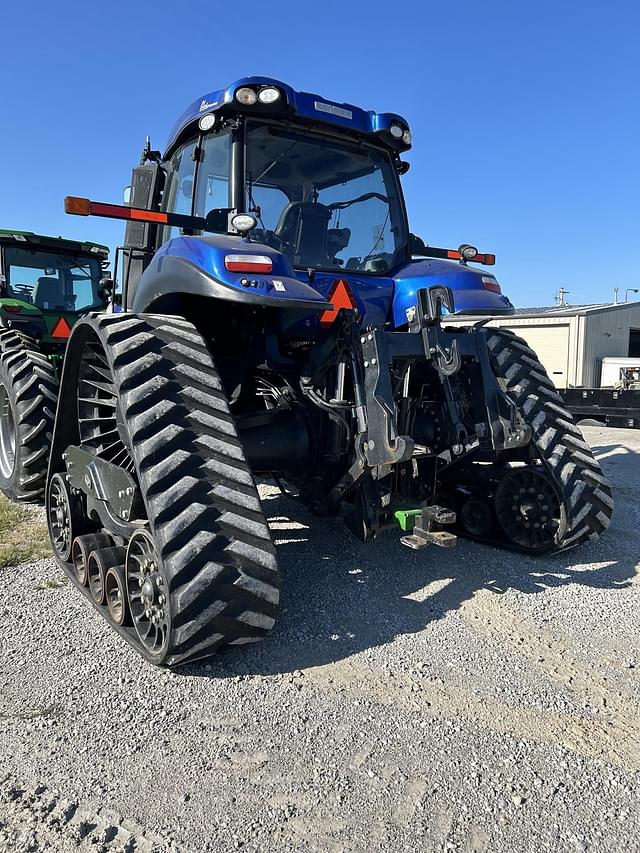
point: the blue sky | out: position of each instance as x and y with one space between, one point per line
524 115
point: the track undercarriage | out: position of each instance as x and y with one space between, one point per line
152 505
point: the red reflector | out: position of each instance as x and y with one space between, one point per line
248 263
340 297
489 283
13 308
61 329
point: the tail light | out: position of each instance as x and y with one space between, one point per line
15 309
248 263
490 283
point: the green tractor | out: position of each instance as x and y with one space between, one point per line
46 285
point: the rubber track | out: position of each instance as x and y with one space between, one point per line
202 503
35 385
585 492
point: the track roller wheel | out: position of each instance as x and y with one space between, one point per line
147 593
28 397
529 510
568 467
115 592
98 564
65 518
81 550
475 517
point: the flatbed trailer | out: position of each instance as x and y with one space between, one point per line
608 406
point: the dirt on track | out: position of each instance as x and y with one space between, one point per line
472 701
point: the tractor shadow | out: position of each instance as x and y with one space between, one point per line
341 597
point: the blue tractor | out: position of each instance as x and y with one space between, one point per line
280 320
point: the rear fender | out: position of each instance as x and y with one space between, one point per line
195 266
474 290
23 317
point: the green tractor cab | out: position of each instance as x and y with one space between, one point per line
46 285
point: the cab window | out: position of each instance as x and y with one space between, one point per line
197 188
213 174
53 282
178 191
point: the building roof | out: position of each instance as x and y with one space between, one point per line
573 310
554 311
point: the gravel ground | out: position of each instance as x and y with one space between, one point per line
471 701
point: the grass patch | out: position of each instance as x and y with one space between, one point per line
54 583
23 534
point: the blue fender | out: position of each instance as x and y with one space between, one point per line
196 266
474 290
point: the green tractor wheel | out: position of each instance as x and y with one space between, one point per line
28 396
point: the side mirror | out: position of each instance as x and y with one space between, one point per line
105 290
217 220
417 246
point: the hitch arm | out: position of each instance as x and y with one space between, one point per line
427 525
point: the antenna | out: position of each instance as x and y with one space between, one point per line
560 296
148 154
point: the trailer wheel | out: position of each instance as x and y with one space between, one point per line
28 396
582 489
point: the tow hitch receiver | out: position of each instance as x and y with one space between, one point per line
425 526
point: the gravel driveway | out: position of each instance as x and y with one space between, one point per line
471 700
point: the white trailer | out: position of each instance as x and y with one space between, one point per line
612 368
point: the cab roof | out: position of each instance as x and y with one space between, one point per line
30 237
304 105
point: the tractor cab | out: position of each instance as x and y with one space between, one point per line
326 196
309 186
46 283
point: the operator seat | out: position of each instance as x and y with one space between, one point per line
337 240
302 231
48 295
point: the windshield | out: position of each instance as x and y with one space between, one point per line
52 281
325 204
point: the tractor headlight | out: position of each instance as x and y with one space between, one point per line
268 95
207 122
467 252
406 137
396 130
246 96
244 222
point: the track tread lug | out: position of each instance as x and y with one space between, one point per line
203 507
585 491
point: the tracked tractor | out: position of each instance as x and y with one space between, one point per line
46 284
281 321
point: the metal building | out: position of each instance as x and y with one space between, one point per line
571 341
